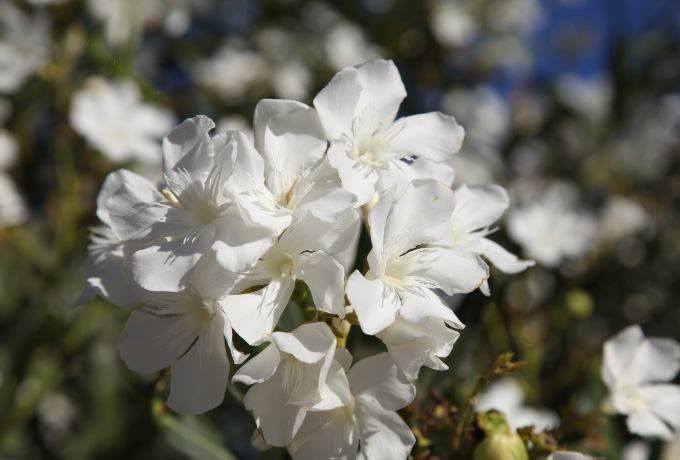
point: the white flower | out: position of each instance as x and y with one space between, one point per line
288 179
506 395
193 217
346 44
622 217
569 455
635 370
163 336
591 97
551 228
401 277
24 46
293 375
13 210
357 110
115 120
231 71
301 253
477 207
368 424
451 24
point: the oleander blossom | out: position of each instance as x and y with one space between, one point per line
192 216
368 426
357 111
402 276
635 370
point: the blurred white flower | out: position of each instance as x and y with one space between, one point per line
622 217
506 395
451 23
231 71
635 370
115 120
590 97
13 209
369 424
636 450
24 45
124 20
346 44
519 16
550 227
235 123
568 455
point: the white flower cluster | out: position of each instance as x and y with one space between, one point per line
236 227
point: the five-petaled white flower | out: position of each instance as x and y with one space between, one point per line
368 427
402 276
636 369
358 109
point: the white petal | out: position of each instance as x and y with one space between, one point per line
248 165
254 315
150 343
426 169
479 206
377 378
188 149
383 433
344 357
433 135
501 258
647 424
327 434
112 183
325 278
239 245
336 104
421 215
413 346
361 180
377 219
309 343
199 379
418 306
336 391
618 354
664 402
277 421
168 266
375 304
141 213
259 368
290 137
451 270
312 234
654 360
382 91
238 356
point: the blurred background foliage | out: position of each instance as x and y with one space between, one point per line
583 92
